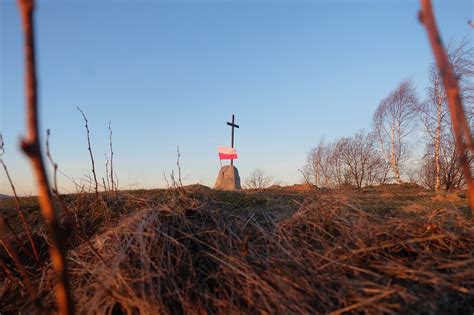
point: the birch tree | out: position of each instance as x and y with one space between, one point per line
394 121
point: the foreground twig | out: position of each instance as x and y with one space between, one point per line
462 133
31 146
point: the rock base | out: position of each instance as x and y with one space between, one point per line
228 178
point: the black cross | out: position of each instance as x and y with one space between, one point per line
233 125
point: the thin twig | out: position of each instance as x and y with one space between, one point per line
18 207
14 256
107 172
90 150
31 146
111 157
179 166
66 209
17 239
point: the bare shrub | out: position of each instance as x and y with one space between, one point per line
258 179
347 161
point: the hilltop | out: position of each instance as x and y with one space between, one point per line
281 250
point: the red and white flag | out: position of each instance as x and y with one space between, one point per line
226 153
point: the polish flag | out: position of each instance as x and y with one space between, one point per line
226 153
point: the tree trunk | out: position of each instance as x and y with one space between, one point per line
393 159
437 146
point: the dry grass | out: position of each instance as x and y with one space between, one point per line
202 251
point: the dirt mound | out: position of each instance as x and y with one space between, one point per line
300 188
196 187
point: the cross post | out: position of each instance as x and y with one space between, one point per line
233 125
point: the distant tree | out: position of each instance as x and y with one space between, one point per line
346 161
363 163
434 114
258 179
323 165
393 122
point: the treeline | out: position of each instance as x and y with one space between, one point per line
385 154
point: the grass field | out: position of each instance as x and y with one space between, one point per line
193 250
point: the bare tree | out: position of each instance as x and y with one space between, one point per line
346 161
258 179
393 121
323 166
364 164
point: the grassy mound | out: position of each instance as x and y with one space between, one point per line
211 252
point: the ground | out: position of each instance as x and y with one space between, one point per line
297 249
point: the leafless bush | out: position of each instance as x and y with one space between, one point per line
347 161
258 179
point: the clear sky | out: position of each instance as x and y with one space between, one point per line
169 73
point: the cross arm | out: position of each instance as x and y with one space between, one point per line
233 125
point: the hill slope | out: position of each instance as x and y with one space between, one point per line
380 249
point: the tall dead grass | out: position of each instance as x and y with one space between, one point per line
188 257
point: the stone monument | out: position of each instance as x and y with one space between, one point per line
228 178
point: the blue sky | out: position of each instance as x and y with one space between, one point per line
169 73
